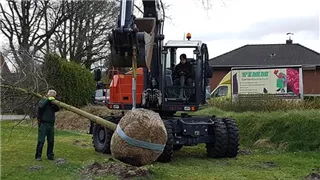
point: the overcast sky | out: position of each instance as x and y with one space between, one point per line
230 24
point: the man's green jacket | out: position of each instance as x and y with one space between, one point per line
46 111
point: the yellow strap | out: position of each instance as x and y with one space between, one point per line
134 63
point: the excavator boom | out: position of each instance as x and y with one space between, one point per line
135 33
135 42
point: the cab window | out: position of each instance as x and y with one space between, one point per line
100 93
221 91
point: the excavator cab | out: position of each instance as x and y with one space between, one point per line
181 90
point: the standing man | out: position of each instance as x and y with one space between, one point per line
46 120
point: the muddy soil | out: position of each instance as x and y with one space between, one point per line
123 171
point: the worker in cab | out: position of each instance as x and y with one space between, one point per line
183 69
183 73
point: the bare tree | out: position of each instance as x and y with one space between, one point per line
83 38
25 24
14 102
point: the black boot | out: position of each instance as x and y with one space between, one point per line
39 151
50 154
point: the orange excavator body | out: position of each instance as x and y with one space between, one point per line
121 88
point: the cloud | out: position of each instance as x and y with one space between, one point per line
306 25
242 22
230 24
309 24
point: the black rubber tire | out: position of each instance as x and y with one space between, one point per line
101 144
218 149
91 127
166 155
177 147
233 138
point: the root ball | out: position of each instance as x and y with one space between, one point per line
140 137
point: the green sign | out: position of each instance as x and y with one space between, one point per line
255 74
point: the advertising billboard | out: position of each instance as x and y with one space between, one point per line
283 82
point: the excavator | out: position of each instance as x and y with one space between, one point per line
152 83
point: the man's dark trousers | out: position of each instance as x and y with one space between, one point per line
45 130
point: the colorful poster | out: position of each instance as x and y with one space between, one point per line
282 81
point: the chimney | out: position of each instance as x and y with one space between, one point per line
289 41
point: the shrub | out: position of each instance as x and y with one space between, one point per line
74 84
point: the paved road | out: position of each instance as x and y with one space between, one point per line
12 117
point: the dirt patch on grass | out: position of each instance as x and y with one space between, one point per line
245 152
264 143
67 120
81 143
265 165
60 161
269 164
313 176
123 171
34 168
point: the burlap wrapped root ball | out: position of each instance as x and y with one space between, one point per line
140 125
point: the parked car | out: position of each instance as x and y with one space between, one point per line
101 96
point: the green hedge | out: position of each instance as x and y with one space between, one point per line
293 130
74 84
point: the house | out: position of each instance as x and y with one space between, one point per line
3 65
288 53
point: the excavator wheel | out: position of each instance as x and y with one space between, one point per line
233 138
101 138
177 147
218 149
166 155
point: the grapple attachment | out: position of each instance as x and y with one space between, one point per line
140 36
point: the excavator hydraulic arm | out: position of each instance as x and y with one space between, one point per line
132 40
133 33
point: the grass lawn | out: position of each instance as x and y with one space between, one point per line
17 156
